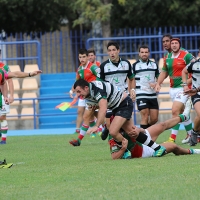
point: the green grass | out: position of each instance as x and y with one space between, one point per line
47 167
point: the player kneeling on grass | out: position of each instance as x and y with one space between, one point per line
130 148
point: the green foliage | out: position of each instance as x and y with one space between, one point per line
47 15
148 13
33 15
91 10
47 167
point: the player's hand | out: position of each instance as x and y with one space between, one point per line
185 88
71 94
10 99
157 87
124 143
134 132
133 95
91 130
35 73
190 92
152 85
6 100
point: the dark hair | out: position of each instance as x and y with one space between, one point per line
91 50
167 35
113 43
143 47
81 82
176 39
83 51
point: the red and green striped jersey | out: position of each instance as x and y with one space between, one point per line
134 147
174 67
4 69
89 73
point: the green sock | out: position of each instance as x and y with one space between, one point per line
182 117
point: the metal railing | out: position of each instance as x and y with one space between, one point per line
35 115
37 58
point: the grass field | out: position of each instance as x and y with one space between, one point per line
47 167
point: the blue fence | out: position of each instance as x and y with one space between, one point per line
71 112
59 50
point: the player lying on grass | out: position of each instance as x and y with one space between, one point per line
105 96
130 148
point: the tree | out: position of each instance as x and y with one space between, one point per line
148 13
28 16
32 15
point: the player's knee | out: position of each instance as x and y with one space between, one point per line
112 132
153 121
4 124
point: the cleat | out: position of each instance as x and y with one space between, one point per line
160 152
104 134
186 140
195 151
127 154
3 142
92 135
75 143
170 140
77 131
193 138
4 164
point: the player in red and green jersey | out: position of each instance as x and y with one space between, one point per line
6 74
92 57
5 107
174 62
89 72
130 148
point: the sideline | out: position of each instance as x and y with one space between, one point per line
41 132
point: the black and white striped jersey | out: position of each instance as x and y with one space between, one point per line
116 73
104 90
145 73
194 69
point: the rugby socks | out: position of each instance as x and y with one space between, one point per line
4 130
145 139
83 131
188 126
174 132
92 123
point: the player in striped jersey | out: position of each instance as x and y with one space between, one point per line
193 68
138 150
116 70
146 72
105 95
174 63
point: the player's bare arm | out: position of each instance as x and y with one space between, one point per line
101 115
19 74
120 153
163 75
131 88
